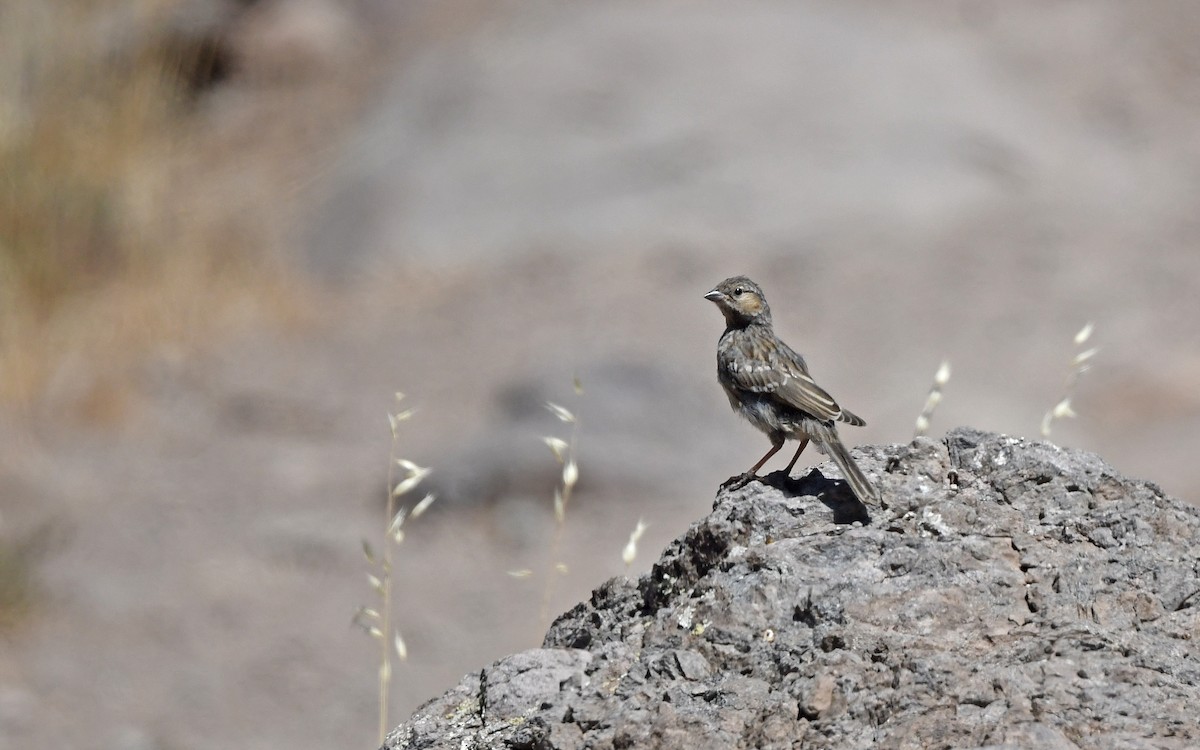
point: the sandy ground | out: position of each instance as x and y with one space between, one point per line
547 192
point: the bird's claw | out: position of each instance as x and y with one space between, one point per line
738 482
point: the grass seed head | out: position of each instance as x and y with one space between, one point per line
940 378
630 552
1084 334
375 582
561 412
423 506
404 415
943 374
397 521
1082 359
558 446
414 476
1063 409
570 474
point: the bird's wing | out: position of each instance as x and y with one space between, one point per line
801 392
783 374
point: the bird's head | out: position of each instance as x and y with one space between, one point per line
741 301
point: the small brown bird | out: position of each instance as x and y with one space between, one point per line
768 384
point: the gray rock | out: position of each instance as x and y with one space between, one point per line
1015 594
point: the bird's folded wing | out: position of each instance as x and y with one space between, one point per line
789 384
802 393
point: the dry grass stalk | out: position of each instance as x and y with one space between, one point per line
110 246
378 622
564 453
933 399
629 554
1080 363
17 589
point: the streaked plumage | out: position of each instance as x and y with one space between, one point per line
767 382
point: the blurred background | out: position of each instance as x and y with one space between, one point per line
230 230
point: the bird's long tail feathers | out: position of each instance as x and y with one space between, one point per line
832 446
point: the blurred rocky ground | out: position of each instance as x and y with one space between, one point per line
523 193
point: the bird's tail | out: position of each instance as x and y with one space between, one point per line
832 446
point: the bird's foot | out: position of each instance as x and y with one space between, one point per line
738 482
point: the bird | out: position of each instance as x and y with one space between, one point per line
768 383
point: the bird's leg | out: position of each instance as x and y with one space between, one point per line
735 483
776 444
803 444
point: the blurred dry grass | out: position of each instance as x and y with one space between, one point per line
110 243
20 552
16 586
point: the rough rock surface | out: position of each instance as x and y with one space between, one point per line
1013 595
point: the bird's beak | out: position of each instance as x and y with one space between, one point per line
715 295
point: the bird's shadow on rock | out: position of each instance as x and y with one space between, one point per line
834 493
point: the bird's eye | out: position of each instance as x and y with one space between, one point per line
738 292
